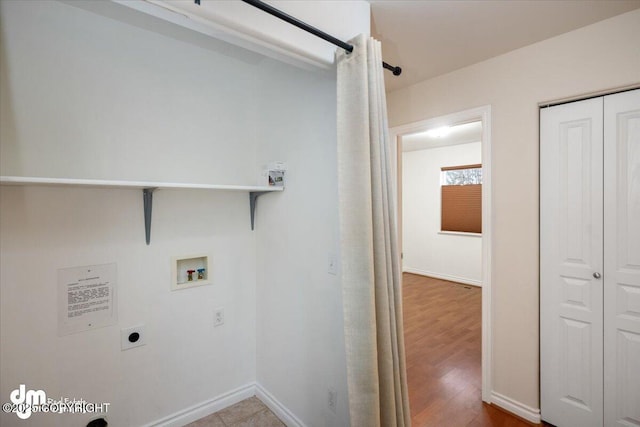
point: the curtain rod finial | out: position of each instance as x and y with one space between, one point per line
395 70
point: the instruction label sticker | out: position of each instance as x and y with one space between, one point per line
86 298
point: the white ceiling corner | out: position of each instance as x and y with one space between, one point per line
433 37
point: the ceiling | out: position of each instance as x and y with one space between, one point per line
454 135
433 37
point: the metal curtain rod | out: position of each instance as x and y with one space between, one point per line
308 28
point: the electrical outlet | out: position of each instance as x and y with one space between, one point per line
218 316
332 400
333 264
132 337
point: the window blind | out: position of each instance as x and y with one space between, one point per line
462 208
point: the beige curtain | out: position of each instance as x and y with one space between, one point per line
372 292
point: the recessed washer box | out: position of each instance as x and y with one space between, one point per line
190 271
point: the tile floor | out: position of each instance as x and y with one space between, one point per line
247 413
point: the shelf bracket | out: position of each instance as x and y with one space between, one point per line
147 197
253 201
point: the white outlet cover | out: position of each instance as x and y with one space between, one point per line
125 344
332 396
218 320
332 264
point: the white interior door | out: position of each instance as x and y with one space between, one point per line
622 259
571 258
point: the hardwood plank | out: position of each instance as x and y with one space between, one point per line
443 341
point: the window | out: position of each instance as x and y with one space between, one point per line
461 189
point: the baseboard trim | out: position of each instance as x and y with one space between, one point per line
246 391
277 407
207 407
517 408
451 278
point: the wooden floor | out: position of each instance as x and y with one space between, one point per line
442 324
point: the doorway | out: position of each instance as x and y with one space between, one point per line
407 134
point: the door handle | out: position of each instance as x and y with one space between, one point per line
597 275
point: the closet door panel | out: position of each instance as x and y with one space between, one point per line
570 255
622 259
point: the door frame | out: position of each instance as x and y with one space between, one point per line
483 114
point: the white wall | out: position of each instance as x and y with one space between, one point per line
601 56
84 95
186 361
425 250
299 313
129 103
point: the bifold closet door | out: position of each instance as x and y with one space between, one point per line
571 264
622 259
